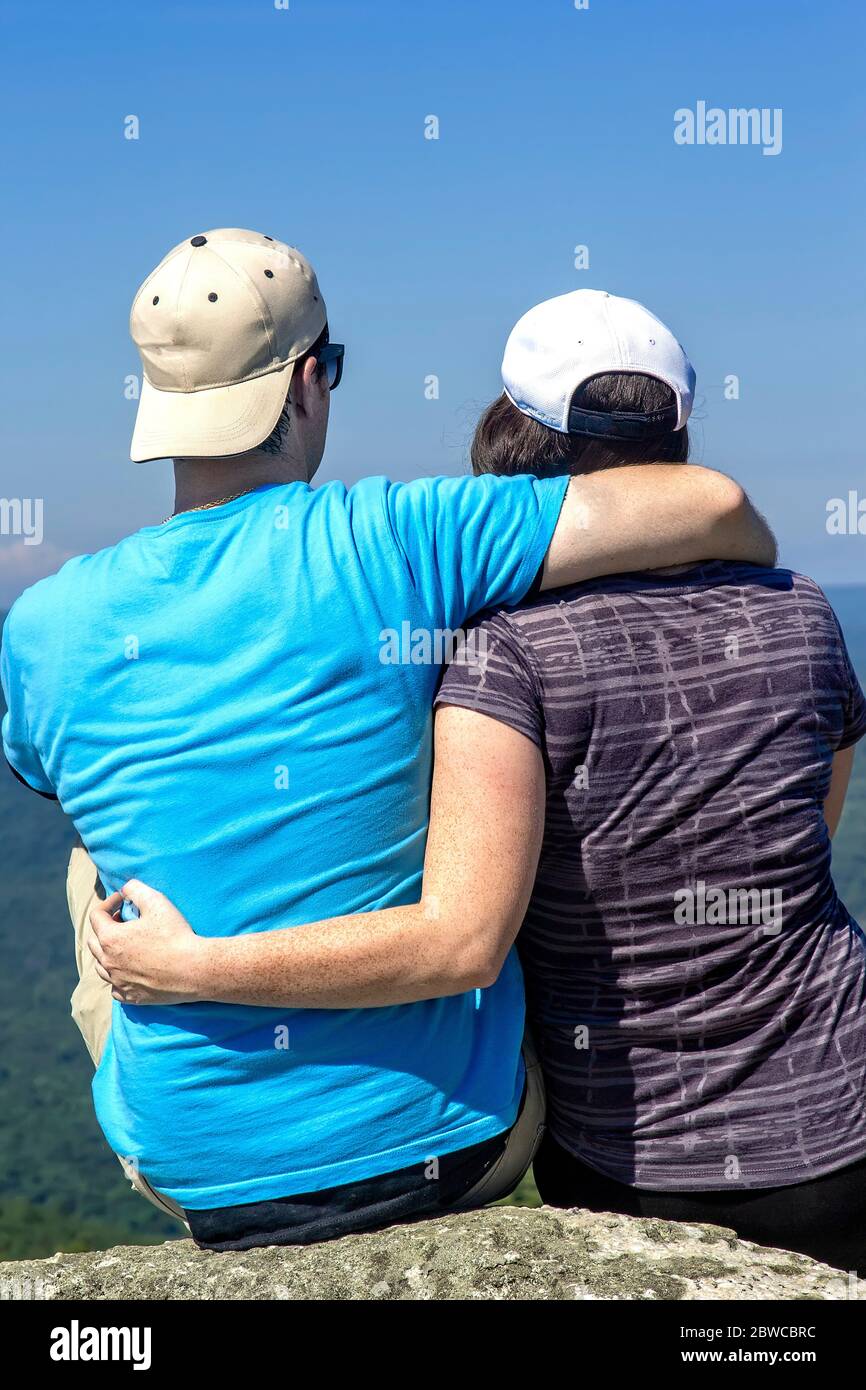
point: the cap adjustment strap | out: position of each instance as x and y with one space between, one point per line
624 425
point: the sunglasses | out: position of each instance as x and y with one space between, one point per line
331 357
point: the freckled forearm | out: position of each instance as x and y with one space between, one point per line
372 960
651 515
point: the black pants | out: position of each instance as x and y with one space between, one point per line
407 1194
824 1218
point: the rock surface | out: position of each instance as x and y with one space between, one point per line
498 1253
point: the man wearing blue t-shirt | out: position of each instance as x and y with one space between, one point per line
235 705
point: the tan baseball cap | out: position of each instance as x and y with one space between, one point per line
219 325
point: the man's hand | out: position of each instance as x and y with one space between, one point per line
157 959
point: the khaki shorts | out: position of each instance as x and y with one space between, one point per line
91 1010
523 1140
92 1003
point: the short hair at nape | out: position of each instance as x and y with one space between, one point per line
274 442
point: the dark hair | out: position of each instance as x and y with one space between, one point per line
274 442
507 441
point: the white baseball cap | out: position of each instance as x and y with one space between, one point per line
560 344
219 325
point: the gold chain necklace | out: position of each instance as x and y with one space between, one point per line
206 506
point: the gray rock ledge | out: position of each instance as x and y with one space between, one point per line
498 1253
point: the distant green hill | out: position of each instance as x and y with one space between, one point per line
60 1188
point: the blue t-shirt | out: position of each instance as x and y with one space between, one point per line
235 707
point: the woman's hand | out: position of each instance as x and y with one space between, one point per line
156 959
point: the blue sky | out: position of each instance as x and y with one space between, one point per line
556 130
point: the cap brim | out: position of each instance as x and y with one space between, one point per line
217 423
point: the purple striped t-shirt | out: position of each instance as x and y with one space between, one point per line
696 986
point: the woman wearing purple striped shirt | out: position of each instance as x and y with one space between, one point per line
637 779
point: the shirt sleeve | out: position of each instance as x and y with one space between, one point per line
855 705
18 748
492 673
472 543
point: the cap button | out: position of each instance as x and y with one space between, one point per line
199 241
